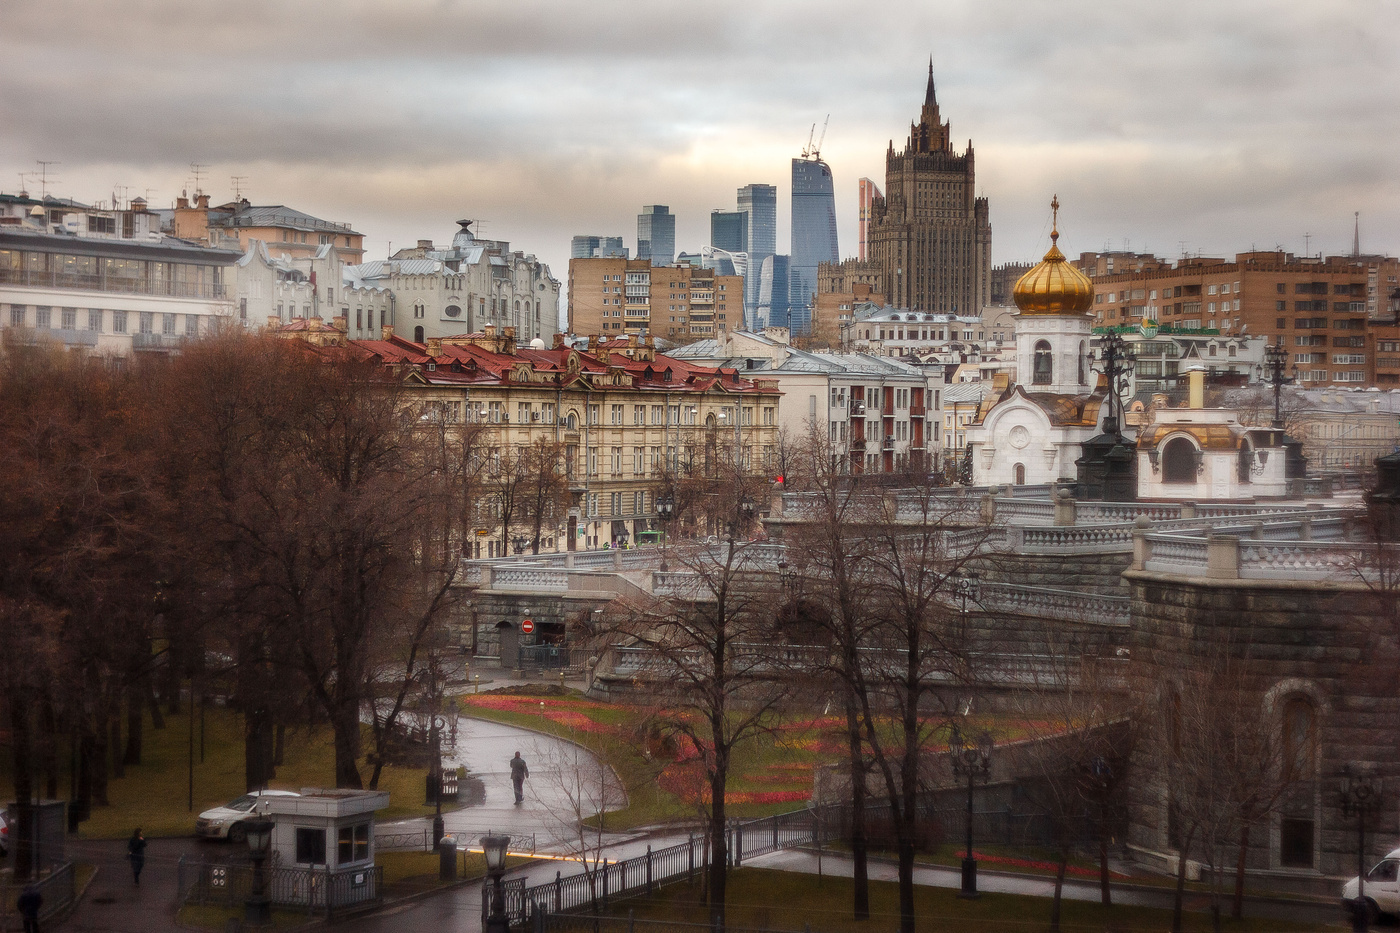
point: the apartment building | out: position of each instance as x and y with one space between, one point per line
285 230
880 415
1322 309
106 281
613 296
629 423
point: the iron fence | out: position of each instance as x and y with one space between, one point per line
57 889
421 840
584 923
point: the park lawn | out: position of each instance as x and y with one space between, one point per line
154 795
768 899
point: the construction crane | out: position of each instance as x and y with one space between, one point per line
815 152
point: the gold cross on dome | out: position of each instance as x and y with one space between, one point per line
1055 221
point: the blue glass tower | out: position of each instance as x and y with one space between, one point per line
773 290
813 235
760 202
656 235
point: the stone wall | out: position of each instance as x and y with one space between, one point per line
1099 572
1327 644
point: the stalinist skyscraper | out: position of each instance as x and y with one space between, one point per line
930 233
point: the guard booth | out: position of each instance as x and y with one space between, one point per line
323 848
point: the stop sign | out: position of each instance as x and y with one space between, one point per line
527 626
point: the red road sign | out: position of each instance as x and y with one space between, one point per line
527 626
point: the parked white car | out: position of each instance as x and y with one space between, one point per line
226 822
1382 887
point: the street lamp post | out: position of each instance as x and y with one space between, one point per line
1116 361
971 758
1361 792
1275 360
665 511
257 910
494 848
520 541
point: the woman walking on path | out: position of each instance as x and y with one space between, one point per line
136 851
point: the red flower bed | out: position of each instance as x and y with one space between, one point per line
1076 870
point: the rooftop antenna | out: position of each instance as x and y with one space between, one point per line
119 195
197 169
1356 235
1307 244
24 183
1181 245
44 176
238 181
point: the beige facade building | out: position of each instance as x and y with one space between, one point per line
629 425
613 296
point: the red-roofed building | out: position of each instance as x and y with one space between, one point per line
629 423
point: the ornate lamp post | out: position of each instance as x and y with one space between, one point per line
519 541
1275 361
257 910
494 848
1115 361
971 758
1361 793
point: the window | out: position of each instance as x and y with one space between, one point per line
352 844
118 322
311 846
69 318
95 319
16 315
167 325
43 318
148 322
1043 366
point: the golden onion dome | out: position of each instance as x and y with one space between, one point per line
1054 286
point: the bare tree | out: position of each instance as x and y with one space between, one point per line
707 646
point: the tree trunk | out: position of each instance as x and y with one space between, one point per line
257 748
719 850
114 745
157 714
98 761
279 747
1180 895
23 830
135 699
1105 891
906 881
860 907
1059 890
1237 907
345 721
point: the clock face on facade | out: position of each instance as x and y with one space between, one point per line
1019 437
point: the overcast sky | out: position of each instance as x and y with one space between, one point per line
1205 126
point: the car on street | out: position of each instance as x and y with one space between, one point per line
1382 891
226 822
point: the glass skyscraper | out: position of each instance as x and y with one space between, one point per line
773 289
729 231
760 202
656 235
813 236
593 247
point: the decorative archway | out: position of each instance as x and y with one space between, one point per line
418 334
1020 474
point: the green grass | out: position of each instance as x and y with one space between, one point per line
155 794
760 898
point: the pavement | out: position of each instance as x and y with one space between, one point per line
564 780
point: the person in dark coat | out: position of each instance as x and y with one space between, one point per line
28 904
136 851
518 773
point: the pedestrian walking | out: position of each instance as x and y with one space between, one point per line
519 771
28 904
136 851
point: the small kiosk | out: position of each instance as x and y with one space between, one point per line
323 846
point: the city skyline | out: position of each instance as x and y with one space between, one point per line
1201 129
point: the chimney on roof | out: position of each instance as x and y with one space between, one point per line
340 323
273 321
592 343
386 332
558 341
425 244
489 330
182 203
202 201
434 346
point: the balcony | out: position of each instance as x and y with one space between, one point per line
114 284
917 411
69 338
156 342
857 443
889 442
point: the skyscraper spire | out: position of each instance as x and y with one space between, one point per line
930 98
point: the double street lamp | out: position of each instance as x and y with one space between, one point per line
971 757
